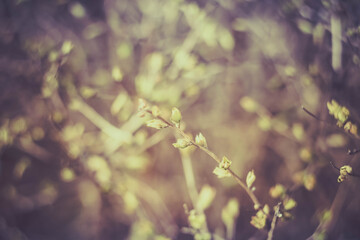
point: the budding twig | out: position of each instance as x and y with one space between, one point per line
252 196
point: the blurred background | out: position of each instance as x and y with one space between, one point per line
78 163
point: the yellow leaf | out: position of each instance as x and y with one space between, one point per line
289 203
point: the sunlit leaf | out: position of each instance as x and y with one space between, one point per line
249 104
117 74
289 203
221 172
226 40
196 220
182 143
77 10
156 123
67 174
277 191
118 103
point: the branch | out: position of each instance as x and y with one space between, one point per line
252 196
277 214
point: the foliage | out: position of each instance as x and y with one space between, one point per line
78 163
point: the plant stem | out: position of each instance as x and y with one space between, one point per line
273 222
216 158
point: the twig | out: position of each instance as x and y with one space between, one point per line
313 115
353 152
213 156
273 222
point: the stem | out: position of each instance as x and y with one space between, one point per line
273 222
189 178
216 158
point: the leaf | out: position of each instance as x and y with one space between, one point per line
156 123
221 173
309 181
196 220
181 143
289 203
277 191
259 220
249 104
250 178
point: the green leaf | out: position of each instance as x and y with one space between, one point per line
181 143
196 220
259 220
277 191
289 203
221 173
249 104
156 123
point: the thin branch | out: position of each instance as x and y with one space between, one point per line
353 152
313 115
213 156
333 165
273 222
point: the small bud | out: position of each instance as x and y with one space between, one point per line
225 163
156 123
175 116
250 178
201 140
155 111
142 104
181 143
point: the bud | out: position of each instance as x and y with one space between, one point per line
201 140
181 143
142 104
175 116
156 123
250 178
155 111
225 163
